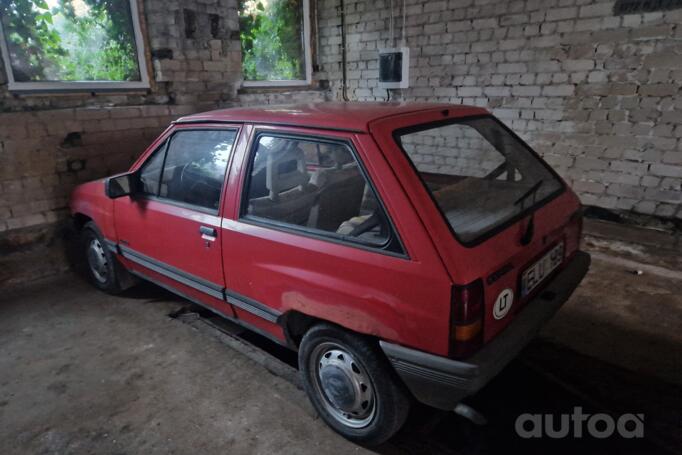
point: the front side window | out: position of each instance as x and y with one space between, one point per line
72 44
275 41
150 173
479 174
190 169
314 185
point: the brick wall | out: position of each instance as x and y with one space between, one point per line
46 153
598 95
452 150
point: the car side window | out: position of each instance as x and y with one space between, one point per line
315 185
150 172
190 168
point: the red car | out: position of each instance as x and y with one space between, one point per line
405 250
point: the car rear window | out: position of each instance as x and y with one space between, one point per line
480 175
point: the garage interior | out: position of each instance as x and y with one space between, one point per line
594 86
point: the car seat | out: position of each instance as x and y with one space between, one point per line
290 195
341 189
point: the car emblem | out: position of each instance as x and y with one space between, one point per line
503 303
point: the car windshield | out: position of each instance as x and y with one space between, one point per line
480 175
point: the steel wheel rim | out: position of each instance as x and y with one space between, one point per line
97 260
343 384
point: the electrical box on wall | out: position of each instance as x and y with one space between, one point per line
394 67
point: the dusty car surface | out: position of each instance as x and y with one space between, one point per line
406 251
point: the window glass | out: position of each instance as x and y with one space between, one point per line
50 41
194 169
273 40
319 154
478 173
150 173
315 185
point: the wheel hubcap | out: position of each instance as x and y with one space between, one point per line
97 260
344 385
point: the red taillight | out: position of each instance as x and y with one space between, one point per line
466 319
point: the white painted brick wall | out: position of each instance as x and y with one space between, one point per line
598 95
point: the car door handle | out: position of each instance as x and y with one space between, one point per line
206 231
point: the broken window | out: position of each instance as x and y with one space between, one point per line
72 44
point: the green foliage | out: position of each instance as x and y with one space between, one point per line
30 38
97 50
270 35
60 44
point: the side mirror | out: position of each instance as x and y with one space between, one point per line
120 185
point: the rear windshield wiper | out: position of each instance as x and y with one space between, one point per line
533 189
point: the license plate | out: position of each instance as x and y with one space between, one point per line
537 272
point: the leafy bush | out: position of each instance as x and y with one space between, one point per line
271 37
64 43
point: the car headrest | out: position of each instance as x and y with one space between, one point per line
285 170
341 156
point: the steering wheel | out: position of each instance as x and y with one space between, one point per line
194 182
184 171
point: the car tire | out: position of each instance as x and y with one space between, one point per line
351 385
102 268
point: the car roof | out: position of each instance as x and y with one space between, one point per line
348 116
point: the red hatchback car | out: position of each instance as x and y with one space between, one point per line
405 250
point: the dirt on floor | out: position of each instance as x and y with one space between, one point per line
146 372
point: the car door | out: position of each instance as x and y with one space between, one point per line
168 231
314 234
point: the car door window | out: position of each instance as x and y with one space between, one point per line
316 186
150 172
191 168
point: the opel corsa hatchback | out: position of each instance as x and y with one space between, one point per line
404 250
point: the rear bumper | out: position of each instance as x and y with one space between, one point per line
442 383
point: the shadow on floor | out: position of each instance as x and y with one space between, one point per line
545 379
550 380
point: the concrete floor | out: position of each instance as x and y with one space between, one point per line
84 372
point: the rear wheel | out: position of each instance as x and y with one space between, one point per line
102 268
351 385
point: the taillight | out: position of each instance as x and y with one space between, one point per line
466 319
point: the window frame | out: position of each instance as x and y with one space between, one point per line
83 86
307 55
393 246
164 146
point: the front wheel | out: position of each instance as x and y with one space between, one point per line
102 268
351 385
